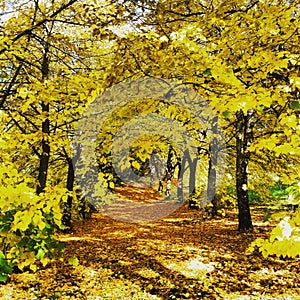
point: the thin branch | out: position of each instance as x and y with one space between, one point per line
40 23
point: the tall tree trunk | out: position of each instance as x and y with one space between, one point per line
192 177
181 169
211 183
212 168
45 155
244 135
67 214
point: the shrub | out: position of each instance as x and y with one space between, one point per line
27 222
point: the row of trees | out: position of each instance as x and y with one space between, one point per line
57 56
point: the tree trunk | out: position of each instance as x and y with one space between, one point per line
244 134
212 169
192 177
44 158
67 214
181 170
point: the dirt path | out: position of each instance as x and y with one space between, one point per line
140 204
181 256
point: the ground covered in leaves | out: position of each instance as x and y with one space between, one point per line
183 256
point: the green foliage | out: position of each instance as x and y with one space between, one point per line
295 105
5 268
279 189
284 239
73 261
254 197
27 223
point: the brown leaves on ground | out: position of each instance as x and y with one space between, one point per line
182 256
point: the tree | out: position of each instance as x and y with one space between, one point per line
57 56
166 138
47 54
244 131
241 57
214 148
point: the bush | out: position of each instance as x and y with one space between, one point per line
284 239
254 197
27 223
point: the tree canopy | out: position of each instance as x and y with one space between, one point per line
241 58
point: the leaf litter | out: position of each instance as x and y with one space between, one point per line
182 256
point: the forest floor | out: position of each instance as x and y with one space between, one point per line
182 256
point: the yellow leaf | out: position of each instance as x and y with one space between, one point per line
73 261
111 185
44 260
135 165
